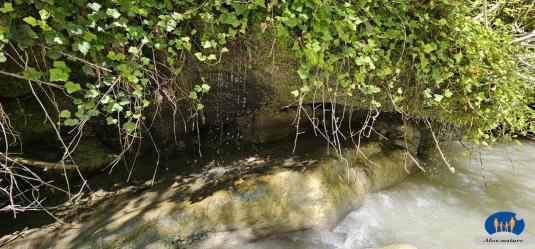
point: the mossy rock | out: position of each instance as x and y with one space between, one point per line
250 94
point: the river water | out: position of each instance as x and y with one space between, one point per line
436 209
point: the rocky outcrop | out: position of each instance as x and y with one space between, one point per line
249 96
294 194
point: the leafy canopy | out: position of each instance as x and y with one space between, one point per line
425 59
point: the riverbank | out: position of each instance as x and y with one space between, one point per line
266 193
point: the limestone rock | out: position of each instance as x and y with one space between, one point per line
284 199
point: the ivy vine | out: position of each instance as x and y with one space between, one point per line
425 59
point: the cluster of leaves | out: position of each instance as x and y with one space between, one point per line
123 48
425 59
518 12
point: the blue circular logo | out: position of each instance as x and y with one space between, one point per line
504 222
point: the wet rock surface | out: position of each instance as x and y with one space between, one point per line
252 197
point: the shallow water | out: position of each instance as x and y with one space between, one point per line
435 210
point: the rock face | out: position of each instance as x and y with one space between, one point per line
286 198
266 125
249 95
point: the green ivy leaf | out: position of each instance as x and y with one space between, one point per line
200 106
110 120
303 73
124 101
113 13
44 14
375 104
430 47
193 95
62 65
2 57
84 47
88 36
72 87
106 99
92 93
30 20
94 6
427 93
58 40
93 112
133 50
200 56
44 26
116 57
145 61
71 122
129 127
8 7
458 57
448 93
231 19
146 103
138 92
115 107
58 74
65 114
304 89
205 88
212 57
423 61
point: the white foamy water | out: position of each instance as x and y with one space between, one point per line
439 210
